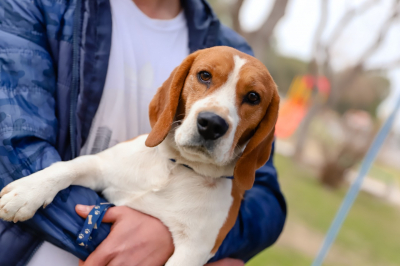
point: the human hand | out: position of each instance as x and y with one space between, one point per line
226 262
135 239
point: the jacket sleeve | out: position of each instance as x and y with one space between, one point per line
28 124
261 217
262 213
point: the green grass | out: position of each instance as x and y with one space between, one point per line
280 256
384 173
371 232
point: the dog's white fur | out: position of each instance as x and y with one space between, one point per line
145 179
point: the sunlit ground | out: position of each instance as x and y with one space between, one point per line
385 173
369 237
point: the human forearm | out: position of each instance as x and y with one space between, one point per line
58 223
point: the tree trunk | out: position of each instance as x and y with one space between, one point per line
303 129
332 175
260 40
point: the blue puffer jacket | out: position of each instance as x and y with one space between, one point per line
53 63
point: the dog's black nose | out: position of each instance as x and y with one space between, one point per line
211 126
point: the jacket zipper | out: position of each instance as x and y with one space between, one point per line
75 76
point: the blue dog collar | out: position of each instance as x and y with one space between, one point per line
92 222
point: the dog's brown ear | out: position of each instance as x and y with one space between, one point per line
163 106
258 149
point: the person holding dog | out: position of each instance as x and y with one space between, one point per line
68 70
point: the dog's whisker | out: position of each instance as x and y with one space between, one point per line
180 115
237 152
177 121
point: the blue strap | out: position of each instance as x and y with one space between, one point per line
92 222
355 187
187 166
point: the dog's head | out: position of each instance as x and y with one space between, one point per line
224 105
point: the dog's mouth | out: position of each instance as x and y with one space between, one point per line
195 151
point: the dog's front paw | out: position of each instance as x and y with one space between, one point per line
21 199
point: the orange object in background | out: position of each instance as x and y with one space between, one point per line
290 116
294 109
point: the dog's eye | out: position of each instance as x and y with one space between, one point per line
204 76
252 98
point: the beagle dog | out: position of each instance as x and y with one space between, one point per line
212 119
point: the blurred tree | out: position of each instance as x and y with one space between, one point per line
284 69
344 82
344 147
260 39
355 87
365 93
357 106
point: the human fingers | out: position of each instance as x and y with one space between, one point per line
101 256
83 210
112 214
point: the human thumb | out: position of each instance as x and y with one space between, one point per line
83 210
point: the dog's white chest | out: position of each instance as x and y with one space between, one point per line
146 181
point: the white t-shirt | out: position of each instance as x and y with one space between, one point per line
144 52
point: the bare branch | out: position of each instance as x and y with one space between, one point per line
348 17
387 66
314 69
235 9
320 29
260 39
354 71
277 12
381 36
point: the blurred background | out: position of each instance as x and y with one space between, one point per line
337 67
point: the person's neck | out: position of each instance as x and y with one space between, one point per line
159 9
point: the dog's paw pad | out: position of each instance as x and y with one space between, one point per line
20 200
